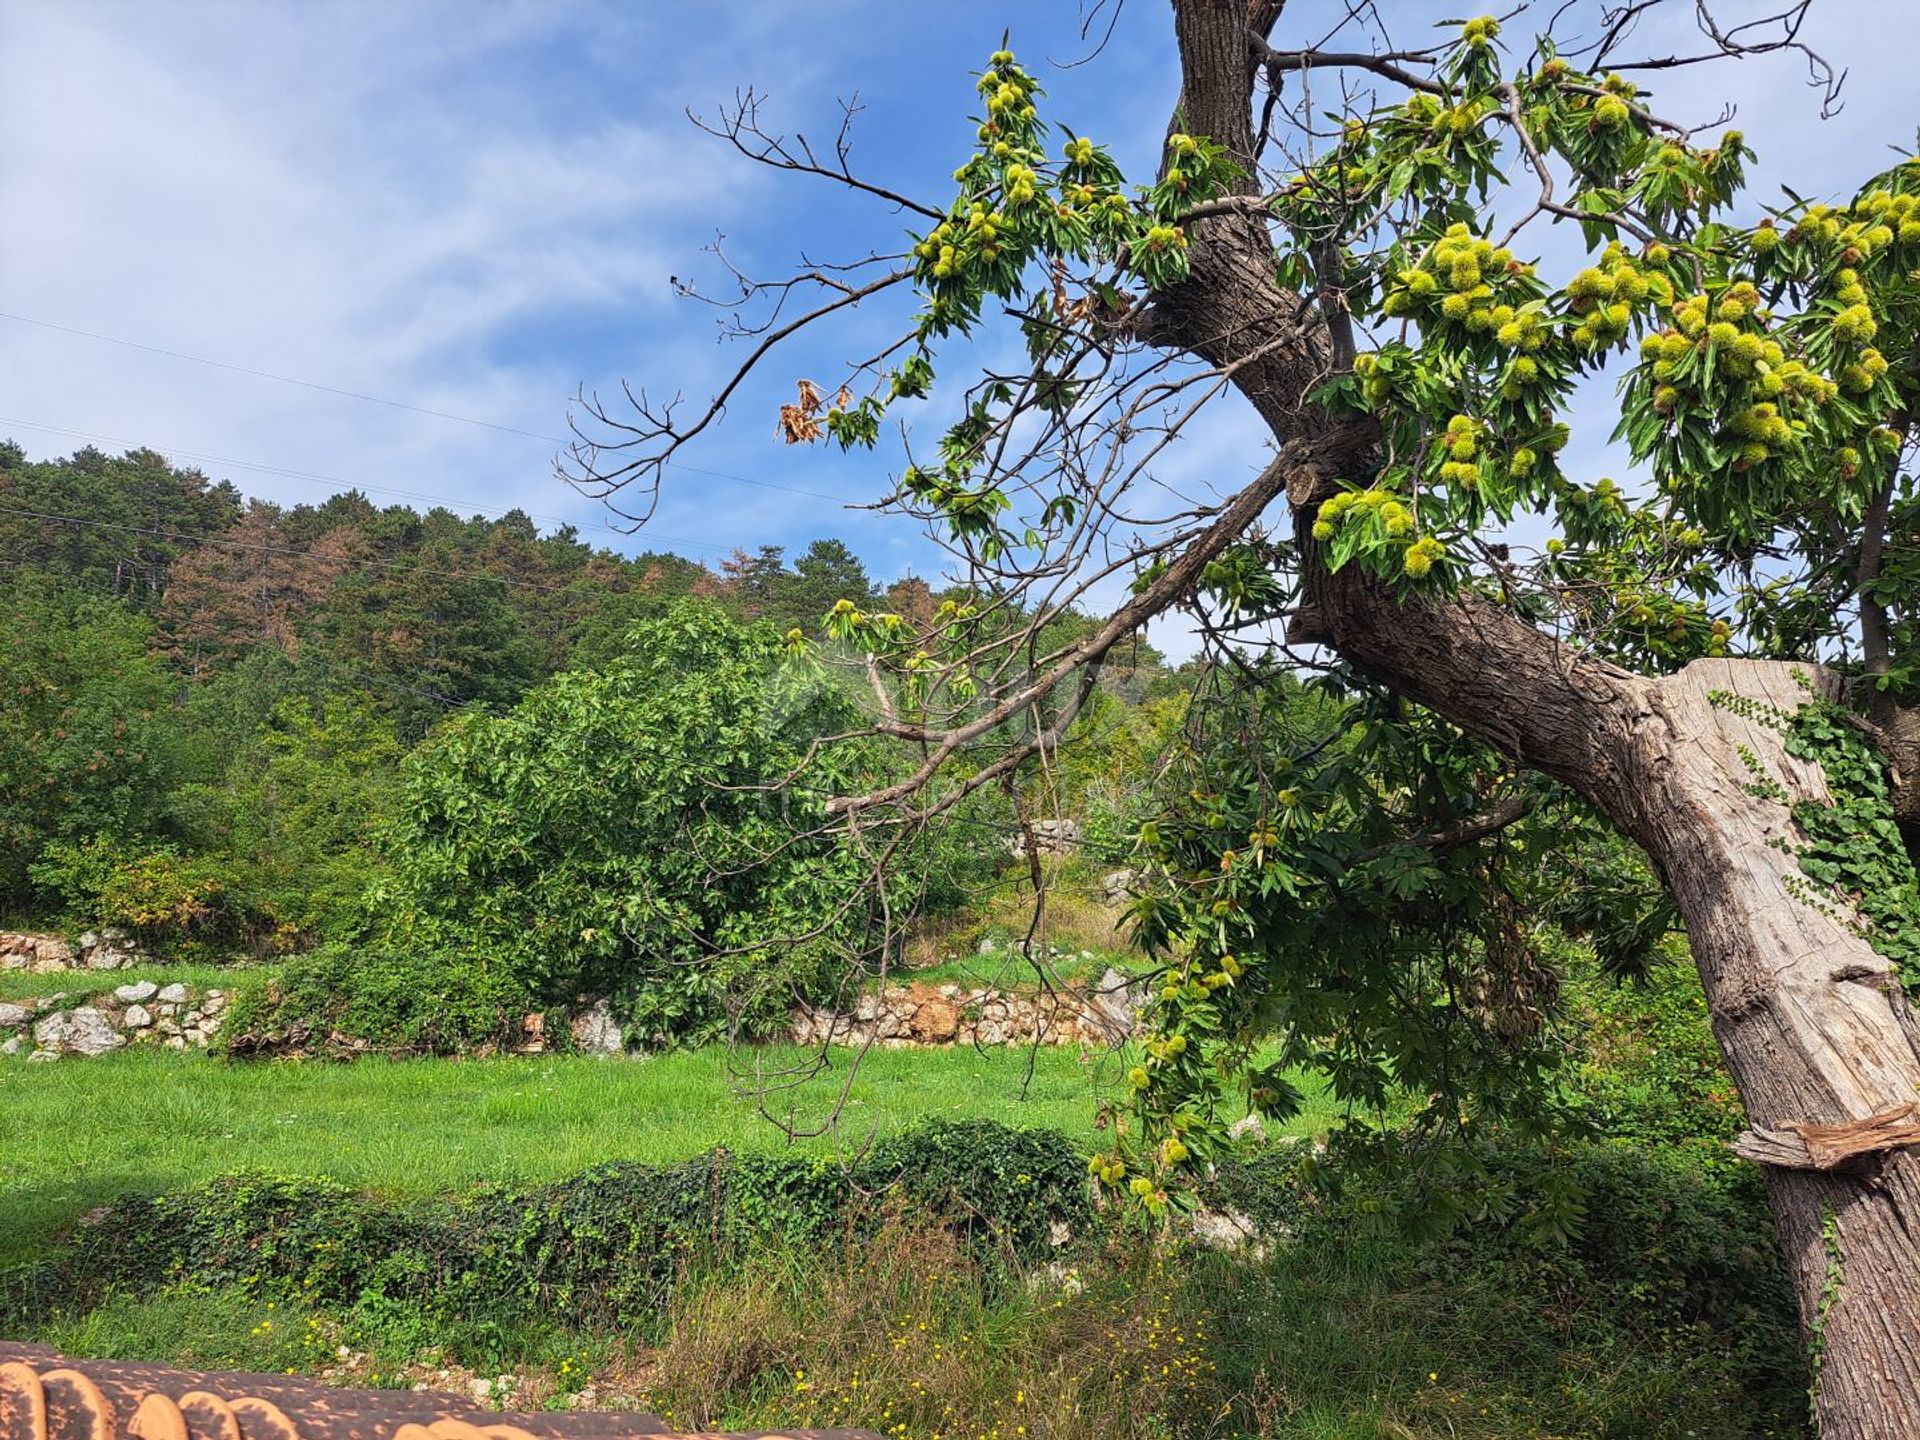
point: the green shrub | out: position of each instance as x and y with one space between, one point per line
621 833
605 1247
1651 1070
250 1230
1004 1186
292 807
89 743
74 875
177 905
1663 1263
346 998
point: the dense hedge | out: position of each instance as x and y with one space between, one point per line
606 1246
1669 1267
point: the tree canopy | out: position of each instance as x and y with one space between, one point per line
1712 658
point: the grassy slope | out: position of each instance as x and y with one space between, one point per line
27 984
79 1132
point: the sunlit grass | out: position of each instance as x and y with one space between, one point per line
1007 968
30 985
78 1133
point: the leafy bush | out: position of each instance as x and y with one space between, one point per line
1651 1070
620 833
1652 1214
87 740
604 1247
1666 1287
349 998
1011 1185
174 904
293 808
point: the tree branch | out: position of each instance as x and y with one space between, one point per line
1464 832
1388 66
1156 596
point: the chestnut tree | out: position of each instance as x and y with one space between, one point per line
1402 258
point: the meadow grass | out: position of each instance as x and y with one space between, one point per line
78 1133
1328 1337
31 985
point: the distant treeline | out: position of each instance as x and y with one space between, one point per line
426 610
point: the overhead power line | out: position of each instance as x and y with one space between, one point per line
384 400
282 379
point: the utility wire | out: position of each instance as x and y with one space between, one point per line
383 400
283 379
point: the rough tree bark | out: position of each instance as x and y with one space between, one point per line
1811 1020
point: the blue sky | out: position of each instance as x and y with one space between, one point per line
474 207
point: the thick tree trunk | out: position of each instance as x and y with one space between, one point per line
1810 1018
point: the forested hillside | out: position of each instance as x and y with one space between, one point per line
235 676
433 609
239 727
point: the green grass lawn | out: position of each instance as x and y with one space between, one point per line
78 1133
30 985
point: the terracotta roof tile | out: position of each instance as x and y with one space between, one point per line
45 1395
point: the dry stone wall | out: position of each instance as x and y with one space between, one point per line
108 949
900 1016
52 1026
74 1021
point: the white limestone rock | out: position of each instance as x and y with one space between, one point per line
596 1032
83 1030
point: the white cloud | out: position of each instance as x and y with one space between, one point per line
390 200
474 207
